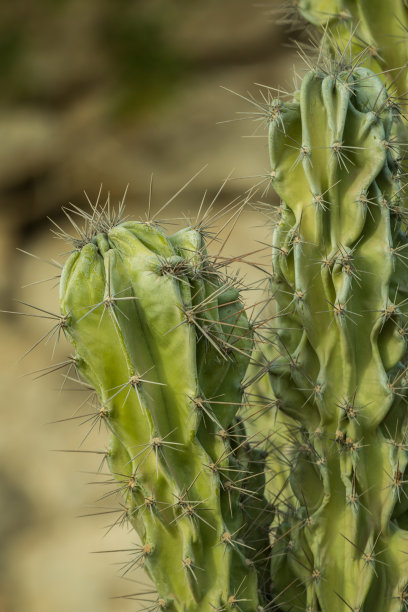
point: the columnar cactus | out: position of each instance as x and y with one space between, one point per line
164 340
339 373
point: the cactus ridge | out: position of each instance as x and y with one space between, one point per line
164 340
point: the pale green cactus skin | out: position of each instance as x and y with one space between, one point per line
338 362
165 342
378 30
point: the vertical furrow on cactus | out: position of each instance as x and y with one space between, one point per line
180 384
224 350
127 407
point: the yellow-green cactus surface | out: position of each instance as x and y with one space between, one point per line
165 341
338 364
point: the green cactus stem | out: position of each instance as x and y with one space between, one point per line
164 340
338 365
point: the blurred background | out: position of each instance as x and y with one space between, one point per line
104 93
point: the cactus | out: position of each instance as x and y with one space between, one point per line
265 467
338 368
164 340
374 29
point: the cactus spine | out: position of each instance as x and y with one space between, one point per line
164 341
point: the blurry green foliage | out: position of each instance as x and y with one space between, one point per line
146 66
138 63
11 54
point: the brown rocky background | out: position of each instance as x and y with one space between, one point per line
95 93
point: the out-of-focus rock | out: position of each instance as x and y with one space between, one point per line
30 146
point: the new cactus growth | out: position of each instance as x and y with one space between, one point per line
164 340
339 370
